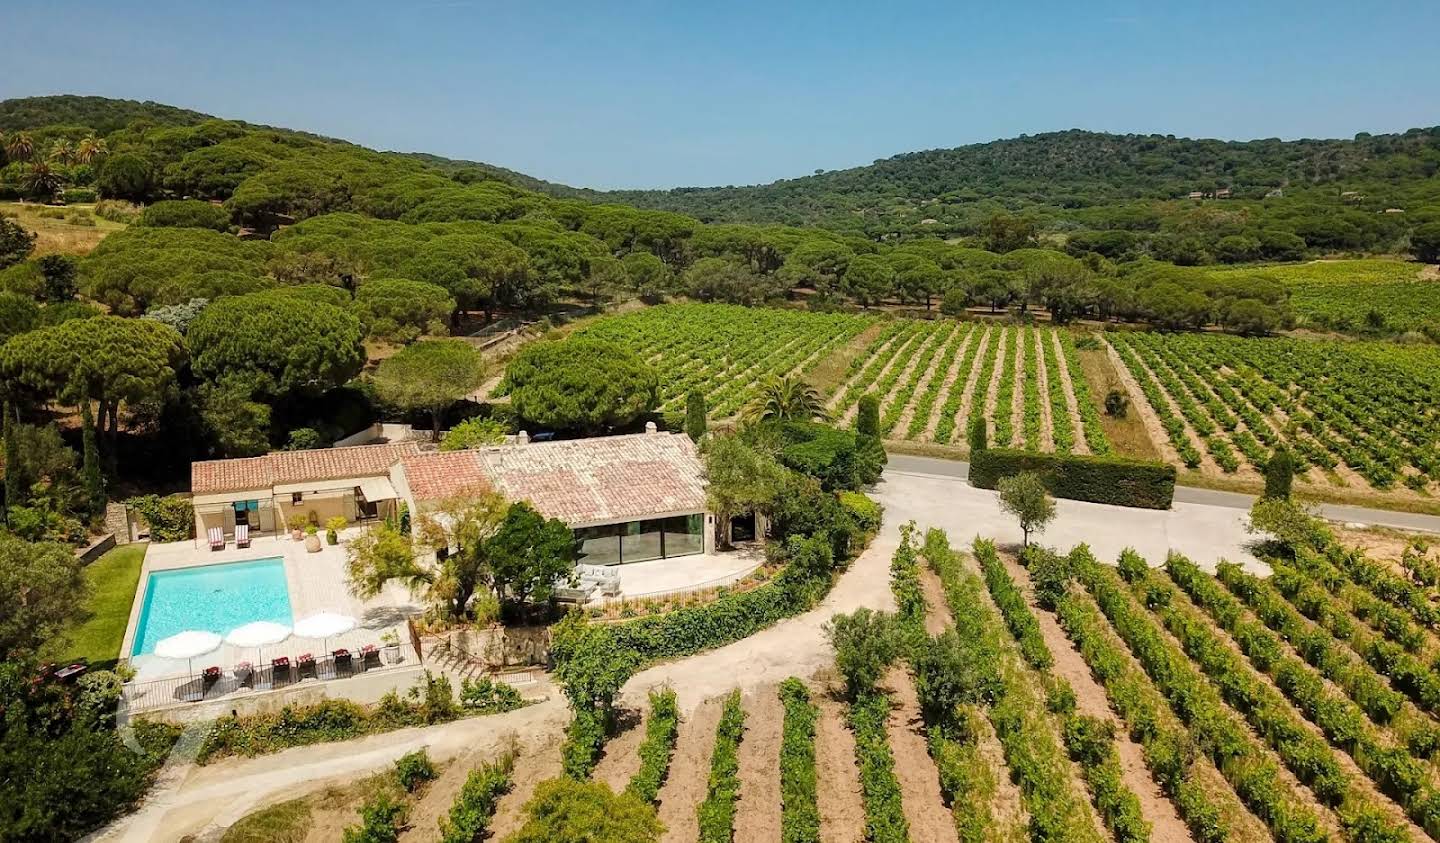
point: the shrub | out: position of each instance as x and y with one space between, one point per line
564 810
717 813
863 510
382 818
660 731
483 695
474 807
78 195
414 769
865 645
171 518
799 815
1098 479
473 433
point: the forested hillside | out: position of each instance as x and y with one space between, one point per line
1079 179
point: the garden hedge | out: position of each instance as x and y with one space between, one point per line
1113 480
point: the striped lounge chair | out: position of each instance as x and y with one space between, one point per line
242 535
217 538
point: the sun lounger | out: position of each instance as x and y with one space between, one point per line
217 538
368 654
305 664
242 535
279 673
244 673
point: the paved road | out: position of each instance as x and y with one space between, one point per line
1211 497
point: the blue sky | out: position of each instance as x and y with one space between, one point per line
654 94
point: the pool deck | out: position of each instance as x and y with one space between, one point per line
316 582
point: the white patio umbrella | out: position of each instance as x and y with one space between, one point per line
258 634
324 625
187 645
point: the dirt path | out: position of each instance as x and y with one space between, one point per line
902 425
947 384
689 778
1361 783
930 821
757 814
531 768
621 759
1072 404
992 389
837 779
1017 395
1042 386
1090 699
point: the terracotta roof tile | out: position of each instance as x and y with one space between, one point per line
282 467
581 481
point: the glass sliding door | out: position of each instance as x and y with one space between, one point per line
599 545
684 534
642 542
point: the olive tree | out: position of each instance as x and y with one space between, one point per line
581 384
1024 496
429 376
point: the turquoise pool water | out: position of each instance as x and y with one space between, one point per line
216 598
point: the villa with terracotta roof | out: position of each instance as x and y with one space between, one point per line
629 498
266 492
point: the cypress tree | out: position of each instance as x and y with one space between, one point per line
695 423
94 483
867 418
1279 474
12 459
979 437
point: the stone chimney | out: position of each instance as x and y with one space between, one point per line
650 427
522 438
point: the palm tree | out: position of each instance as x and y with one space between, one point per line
41 182
90 149
63 152
19 146
786 398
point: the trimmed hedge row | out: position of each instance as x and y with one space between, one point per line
1112 480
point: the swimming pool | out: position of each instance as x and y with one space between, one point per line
217 598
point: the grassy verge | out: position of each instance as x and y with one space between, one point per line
288 822
1127 435
113 579
1311 492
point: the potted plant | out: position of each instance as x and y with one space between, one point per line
333 527
298 523
312 538
390 640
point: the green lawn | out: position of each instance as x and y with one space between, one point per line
113 579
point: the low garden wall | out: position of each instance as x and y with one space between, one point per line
1112 480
